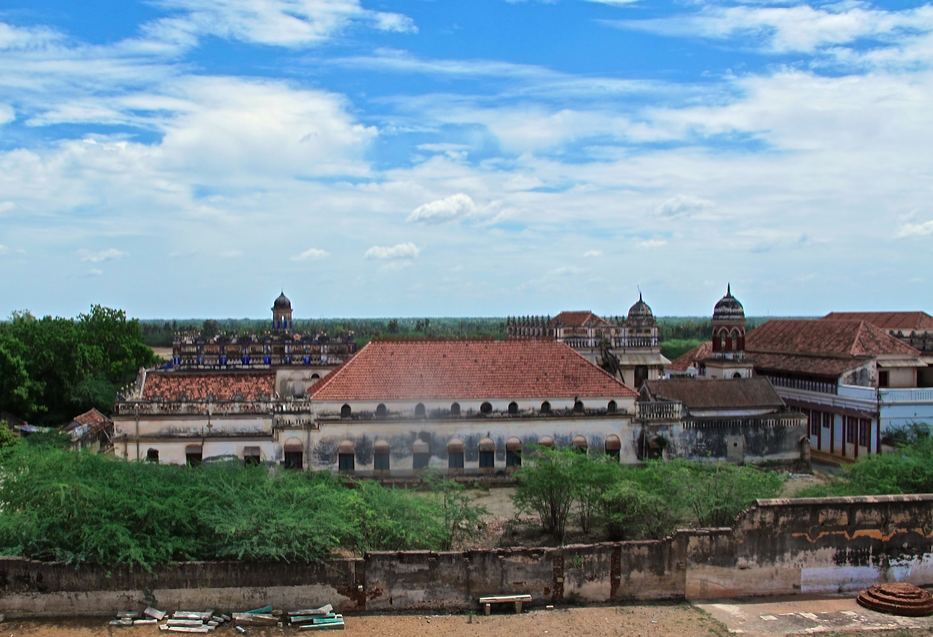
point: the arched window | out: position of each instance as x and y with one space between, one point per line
455 454
346 456
612 407
513 452
419 410
294 454
381 456
546 441
579 444
737 375
487 453
613 446
345 411
545 407
513 408
193 455
578 407
381 411
252 456
152 455
485 408
421 455
455 409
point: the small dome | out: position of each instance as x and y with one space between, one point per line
640 310
282 303
728 307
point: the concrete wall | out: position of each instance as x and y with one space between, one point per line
777 547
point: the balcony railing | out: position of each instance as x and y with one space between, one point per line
919 395
658 411
805 385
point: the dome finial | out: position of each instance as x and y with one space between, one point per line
728 289
639 292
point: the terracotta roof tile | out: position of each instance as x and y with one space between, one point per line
687 359
825 338
886 320
92 418
467 369
831 367
174 386
579 319
739 393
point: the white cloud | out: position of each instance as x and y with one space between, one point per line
914 230
447 209
94 272
7 114
230 254
6 206
787 29
592 253
288 23
652 243
311 254
683 206
4 249
399 251
110 254
20 38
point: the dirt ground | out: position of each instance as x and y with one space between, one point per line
660 620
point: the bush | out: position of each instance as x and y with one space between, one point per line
78 507
907 470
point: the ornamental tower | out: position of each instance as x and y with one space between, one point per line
729 328
282 314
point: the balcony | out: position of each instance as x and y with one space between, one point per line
658 411
805 385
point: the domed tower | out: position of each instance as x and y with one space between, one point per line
728 359
282 314
641 322
729 327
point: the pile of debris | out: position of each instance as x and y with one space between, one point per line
322 618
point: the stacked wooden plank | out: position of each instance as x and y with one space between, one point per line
322 618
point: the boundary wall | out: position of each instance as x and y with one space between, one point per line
776 547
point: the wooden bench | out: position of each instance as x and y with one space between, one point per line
504 599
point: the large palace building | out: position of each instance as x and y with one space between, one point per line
627 347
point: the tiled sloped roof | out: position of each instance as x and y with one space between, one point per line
739 393
886 320
92 418
828 366
824 338
172 386
579 319
467 369
687 359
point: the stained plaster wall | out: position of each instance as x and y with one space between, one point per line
402 435
777 547
734 444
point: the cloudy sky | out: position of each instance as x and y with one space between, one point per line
182 158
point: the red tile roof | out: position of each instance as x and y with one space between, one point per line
92 418
739 393
828 366
887 320
174 386
687 359
824 338
467 369
579 319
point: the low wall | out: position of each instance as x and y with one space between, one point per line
817 545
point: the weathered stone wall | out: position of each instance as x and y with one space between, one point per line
819 545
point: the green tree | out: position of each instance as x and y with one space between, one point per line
546 487
462 518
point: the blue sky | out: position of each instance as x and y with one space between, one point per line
184 158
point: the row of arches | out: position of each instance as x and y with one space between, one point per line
346 411
486 447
